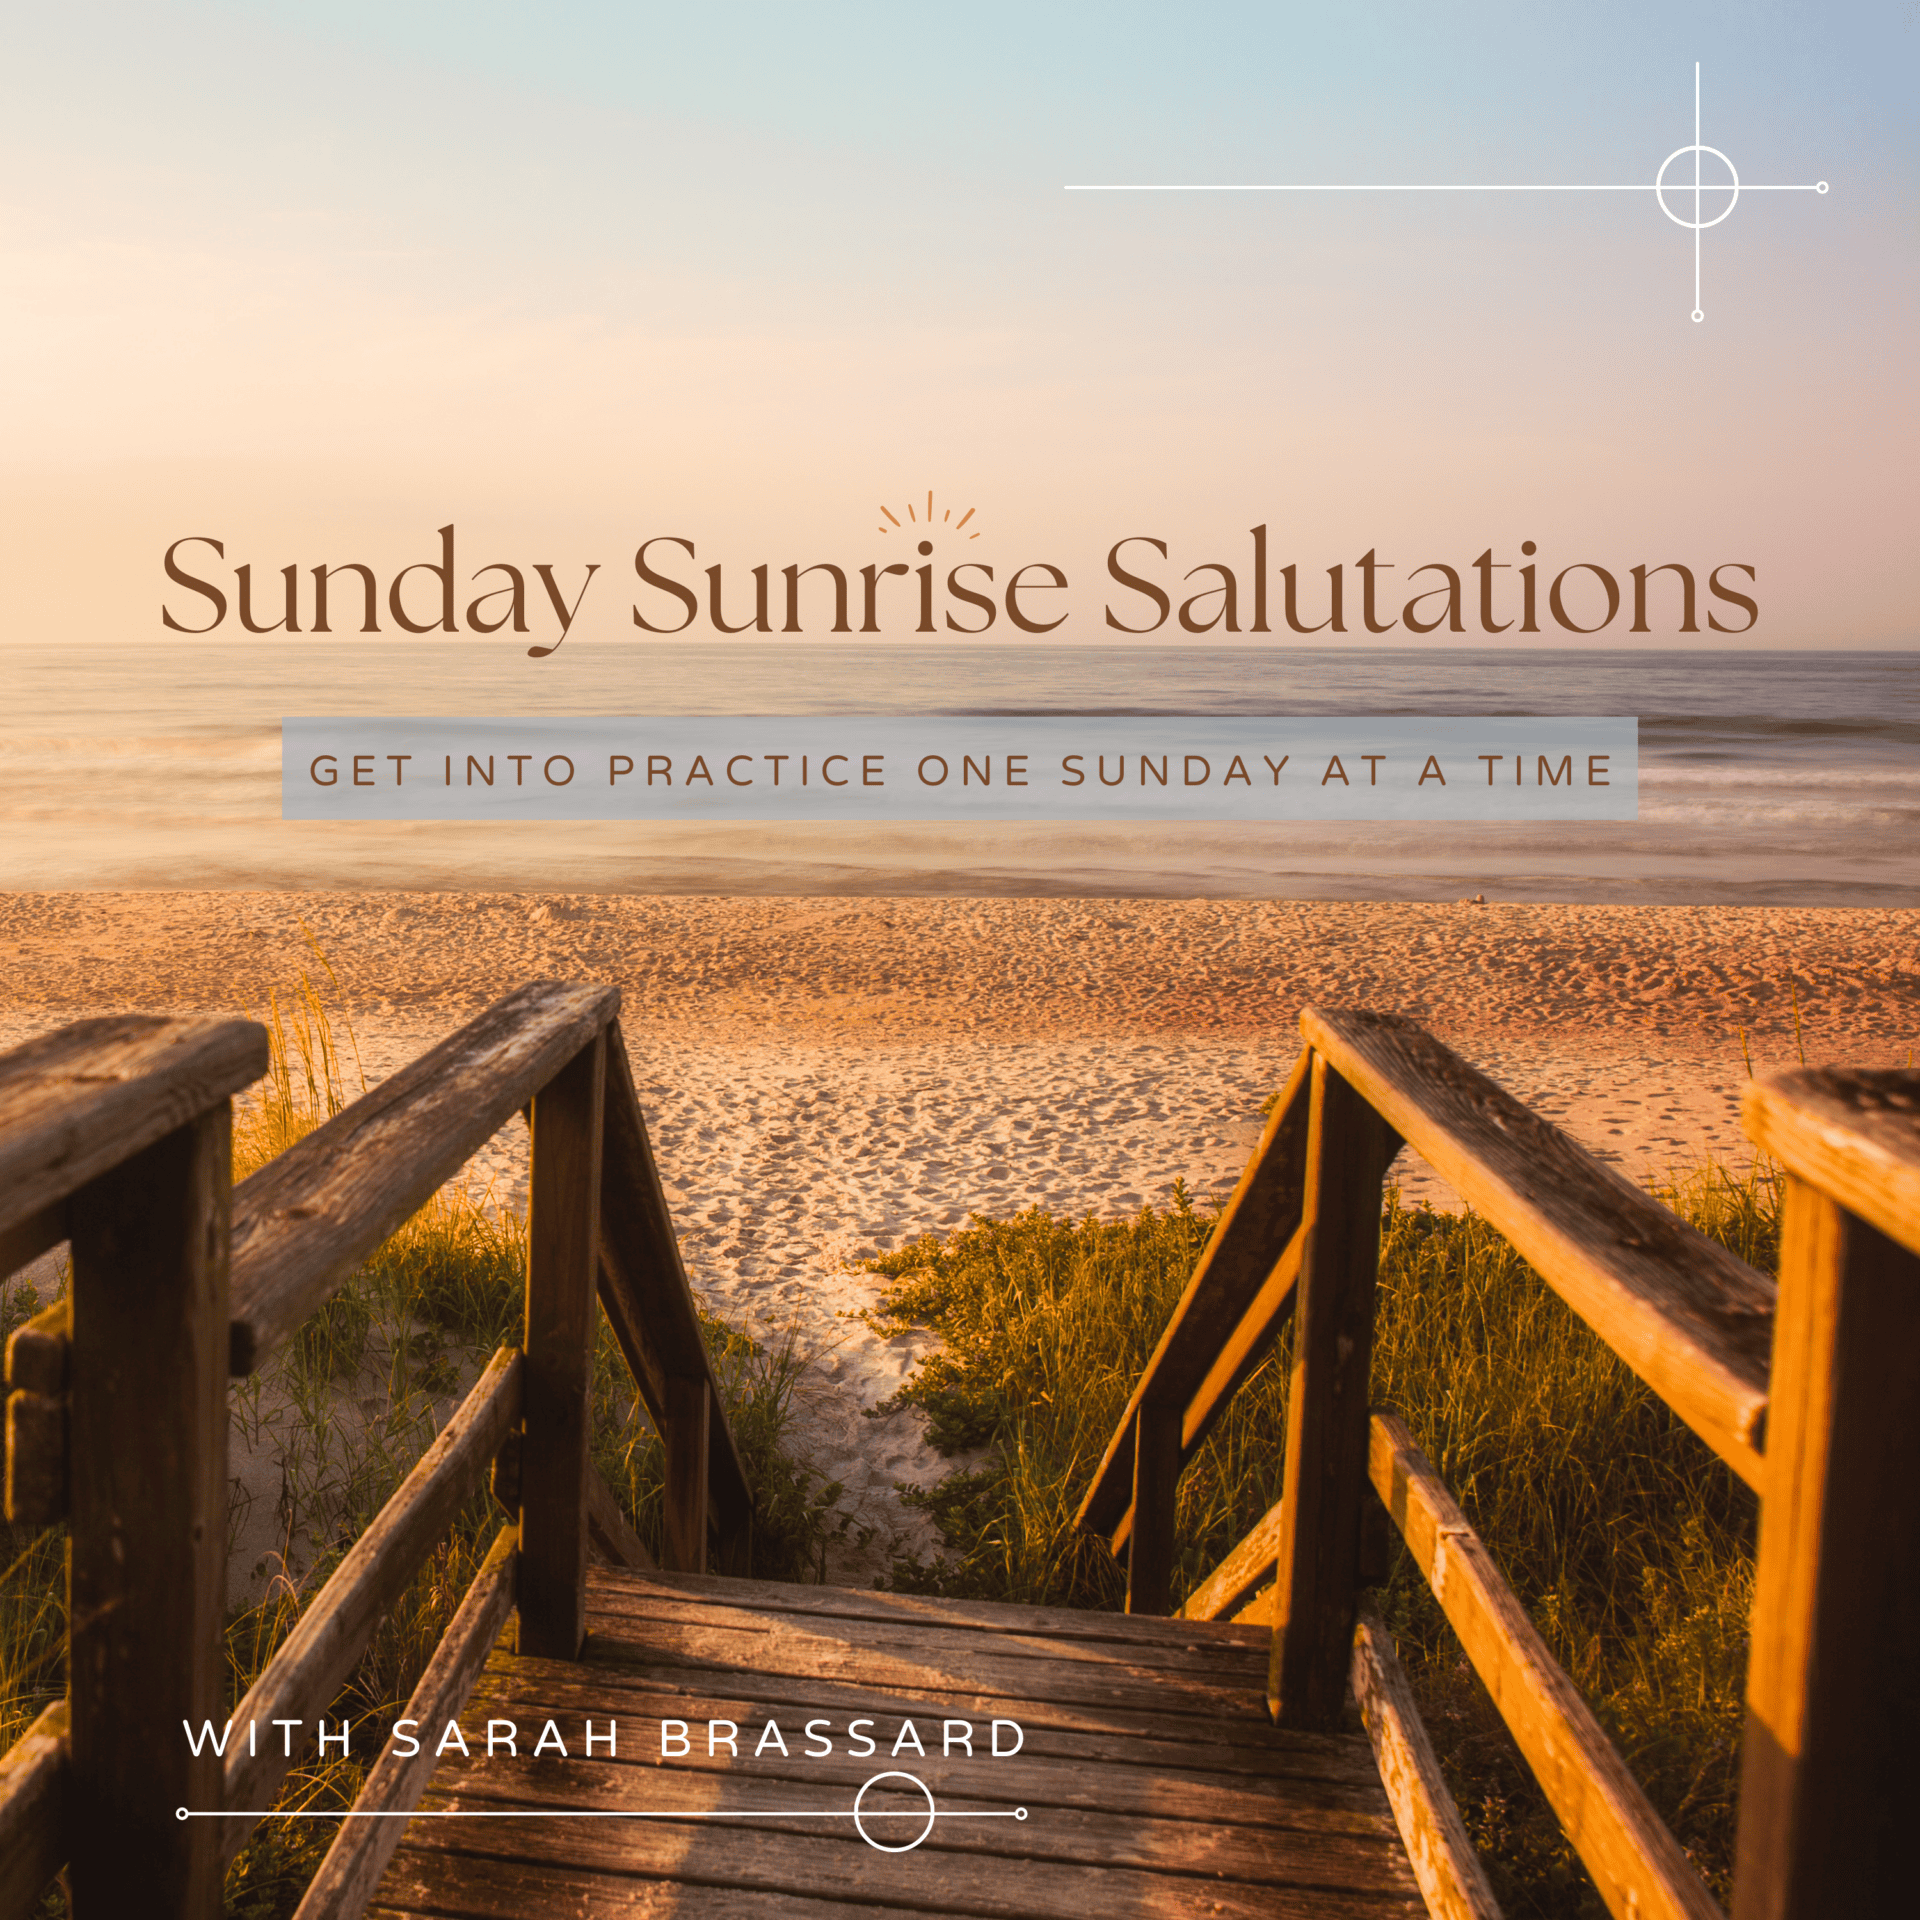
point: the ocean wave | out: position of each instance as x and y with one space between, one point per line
1798 779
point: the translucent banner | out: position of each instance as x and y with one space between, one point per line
947 767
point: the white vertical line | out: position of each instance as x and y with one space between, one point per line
1696 186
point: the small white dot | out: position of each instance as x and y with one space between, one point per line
1698 315
1821 187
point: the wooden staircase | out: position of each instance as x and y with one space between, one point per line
1208 1764
1149 1777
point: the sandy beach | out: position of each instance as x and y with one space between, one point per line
826 1077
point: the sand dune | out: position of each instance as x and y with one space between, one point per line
823 1077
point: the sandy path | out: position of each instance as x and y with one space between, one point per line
826 1077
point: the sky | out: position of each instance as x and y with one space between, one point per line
317 280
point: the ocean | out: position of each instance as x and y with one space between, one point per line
1789 778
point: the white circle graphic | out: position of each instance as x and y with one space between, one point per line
881 1846
1661 189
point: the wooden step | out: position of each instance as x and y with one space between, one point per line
1149 1779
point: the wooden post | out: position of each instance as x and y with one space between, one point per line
1156 1492
1829 1774
689 1410
563 1262
1348 1148
146 1557
733 1531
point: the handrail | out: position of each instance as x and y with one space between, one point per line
359 1855
1691 1319
1445 1867
1248 1566
116 1413
312 1214
1829 1769
650 1307
116 1134
1234 1305
78 1102
312 1664
1636 1863
1856 1136
33 1805
1816 1372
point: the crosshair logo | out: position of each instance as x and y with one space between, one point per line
931 1813
1695 204
1730 184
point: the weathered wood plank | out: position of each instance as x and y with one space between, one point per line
441 1865
504 1483
28 1239
690 1411
79 1101
38 1365
1163 1738
1452 1881
361 1850
316 1657
1156 1493
1259 1609
1272 1856
1247 1568
1317 1568
1246 1346
897 1661
637 1225
1689 1318
562 1263
146 1556
1830 1768
609 1528
1636 1864
308 1218
33 1812
1230 1662
37 1454
1254 1228
977 1616
1107 1775
469 1892
649 1303
40 1350
1855 1135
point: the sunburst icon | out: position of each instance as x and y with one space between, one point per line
918 518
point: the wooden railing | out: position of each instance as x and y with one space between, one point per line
115 1135
1809 1392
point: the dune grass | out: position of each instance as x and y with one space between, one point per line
348 1405
1628 1540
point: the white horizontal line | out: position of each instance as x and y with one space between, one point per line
616 1813
1178 186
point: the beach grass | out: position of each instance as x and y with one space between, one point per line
1631 1544
347 1406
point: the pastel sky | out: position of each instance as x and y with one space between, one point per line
317 279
